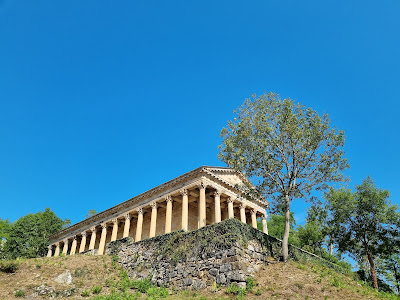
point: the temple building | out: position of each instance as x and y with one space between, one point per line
201 197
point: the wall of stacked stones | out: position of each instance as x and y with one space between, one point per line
223 253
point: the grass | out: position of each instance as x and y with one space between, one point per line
9 266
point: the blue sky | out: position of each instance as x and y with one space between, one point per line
103 100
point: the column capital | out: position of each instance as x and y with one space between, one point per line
217 193
253 211
168 198
65 241
127 216
264 216
83 233
74 237
242 206
93 229
140 211
202 185
230 199
50 247
114 221
183 192
104 225
153 204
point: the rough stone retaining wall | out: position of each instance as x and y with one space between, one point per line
222 253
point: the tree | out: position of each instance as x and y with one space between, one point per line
368 225
29 236
276 227
91 213
389 268
286 149
4 229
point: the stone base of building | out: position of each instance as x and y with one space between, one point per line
223 253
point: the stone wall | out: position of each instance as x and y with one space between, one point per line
222 253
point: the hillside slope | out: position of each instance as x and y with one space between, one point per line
36 278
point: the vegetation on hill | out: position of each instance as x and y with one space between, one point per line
99 277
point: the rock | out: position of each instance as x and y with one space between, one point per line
221 279
235 276
241 284
44 290
187 281
198 284
64 278
225 268
214 272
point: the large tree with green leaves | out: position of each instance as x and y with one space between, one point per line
285 148
367 224
29 236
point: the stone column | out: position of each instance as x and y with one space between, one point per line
65 248
217 206
139 225
231 214
114 230
254 218
127 225
73 246
102 239
264 223
92 238
243 213
153 222
57 251
168 214
185 209
49 251
202 205
83 242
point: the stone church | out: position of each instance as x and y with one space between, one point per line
204 196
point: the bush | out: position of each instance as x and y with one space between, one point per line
234 289
8 266
250 283
156 293
141 285
85 293
96 289
19 293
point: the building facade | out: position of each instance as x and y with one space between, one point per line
204 196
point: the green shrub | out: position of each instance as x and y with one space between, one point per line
96 289
235 290
258 292
8 266
85 293
250 283
141 285
156 293
19 293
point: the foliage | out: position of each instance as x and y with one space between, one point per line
19 293
29 236
286 149
236 290
366 223
8 266
96 289
276 227
91 213
389 268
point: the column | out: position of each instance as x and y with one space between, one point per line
253 218
57 251
92 238
217 206
139 225
114 230
153 221
185 209
243 213
230 208
264 223
83 242
73 246
102 239
49 251
127 225
202 205
65 248
168 214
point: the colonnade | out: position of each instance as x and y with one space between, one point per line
70 245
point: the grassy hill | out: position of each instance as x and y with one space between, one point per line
100 277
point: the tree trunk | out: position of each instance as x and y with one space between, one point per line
373 271
396 275
330 248
285 240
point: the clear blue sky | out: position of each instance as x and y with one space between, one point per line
103 100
